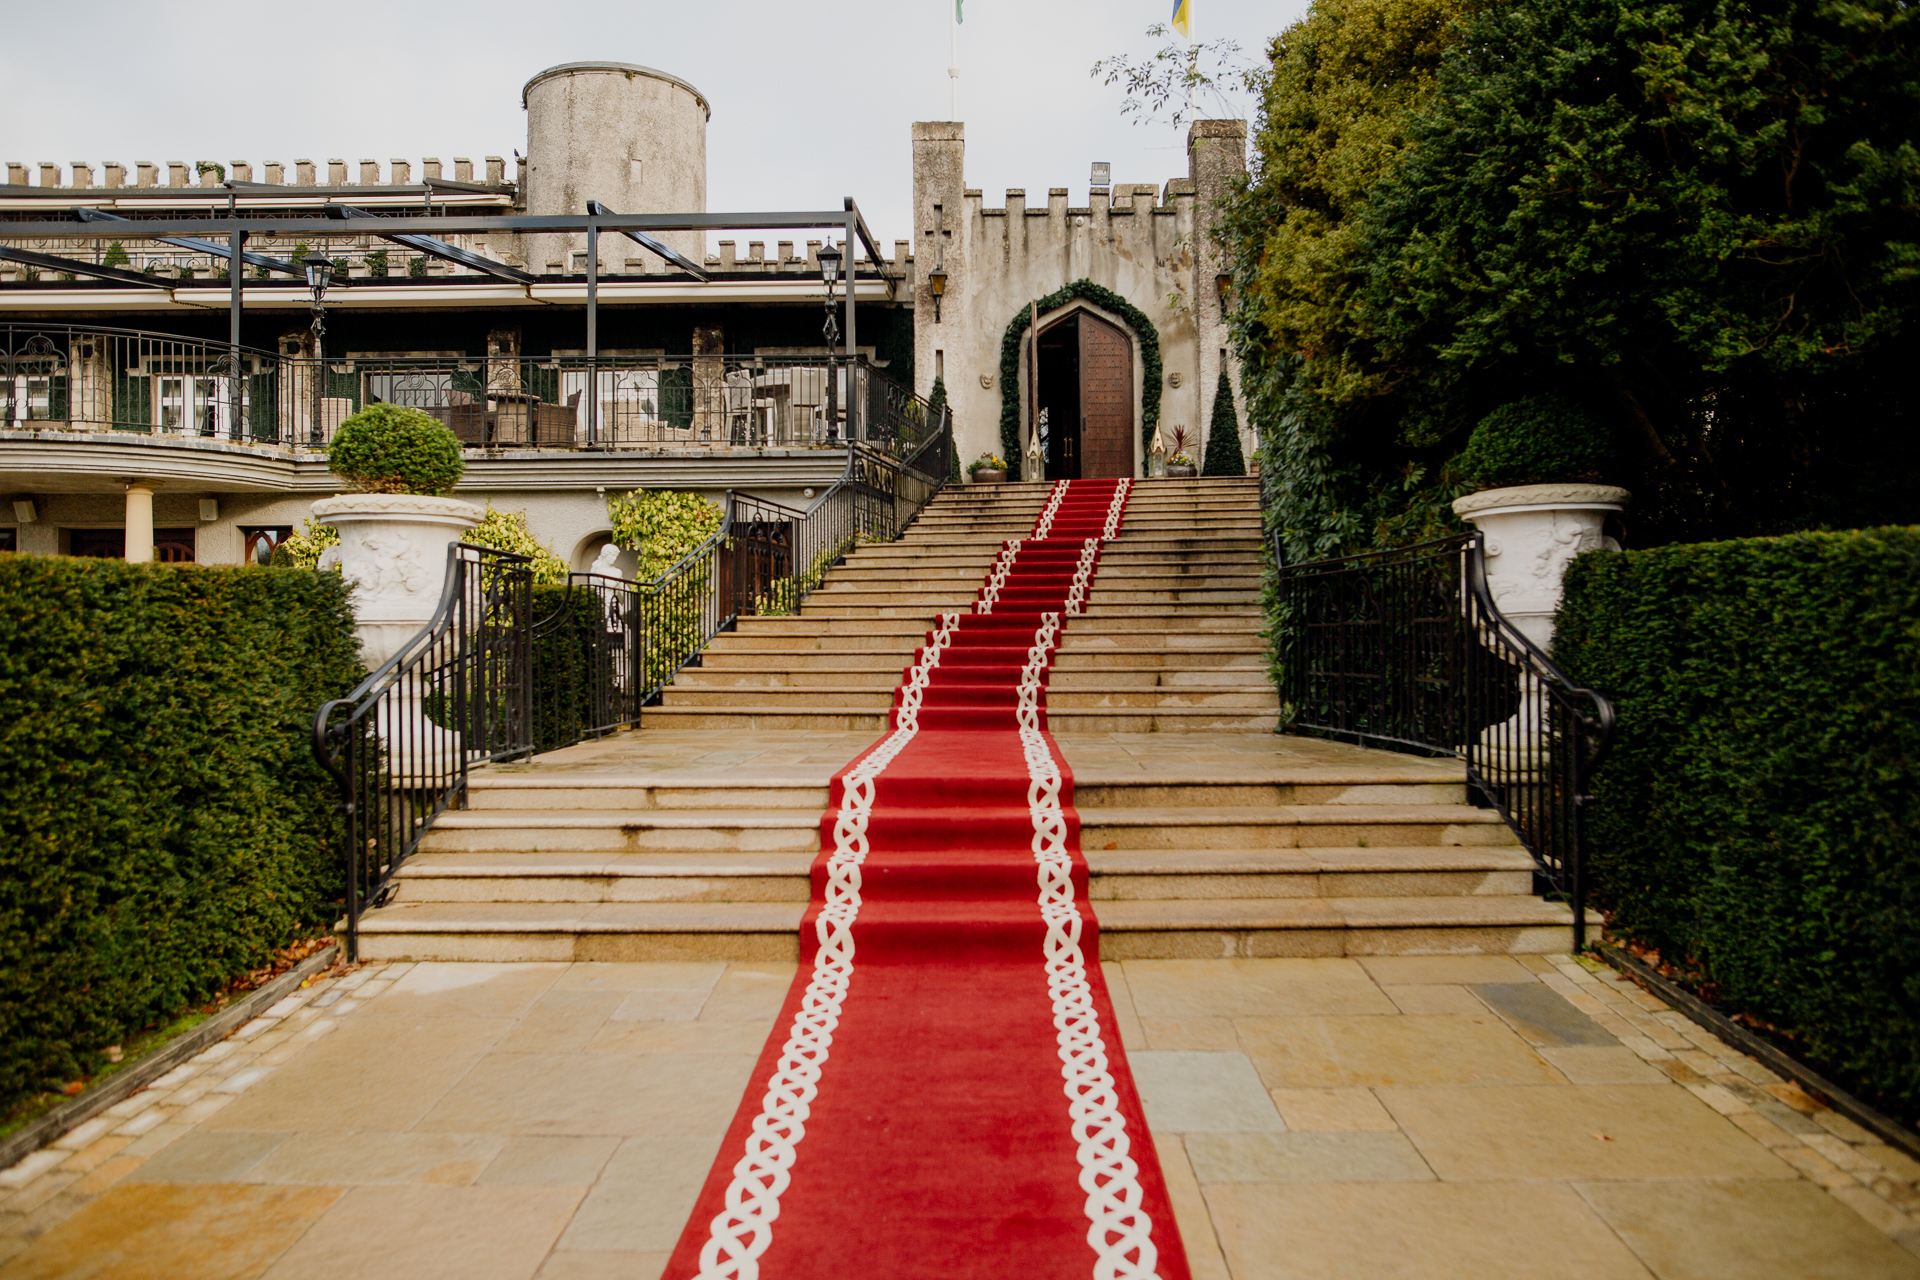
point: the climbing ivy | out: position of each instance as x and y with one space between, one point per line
1107 300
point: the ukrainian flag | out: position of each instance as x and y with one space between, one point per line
1180 9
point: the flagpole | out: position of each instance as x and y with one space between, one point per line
953 58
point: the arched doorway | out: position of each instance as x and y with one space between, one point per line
1085 389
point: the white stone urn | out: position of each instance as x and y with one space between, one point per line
393 548
1532 533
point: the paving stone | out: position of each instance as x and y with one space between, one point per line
535 1161
642 1200
1332 1110
1583 1064
594 1093
1186 1092
1133 1035
1742 1230
1300 1053
210 1156
1252 988
431 1233
1416 1231
1305 1157
363 1159
568 1264
143 1230
658 1005
1541 1015
1575 1131
1204 1259
1433 997
1452 970
1206 1035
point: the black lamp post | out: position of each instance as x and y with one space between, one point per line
829 272
319 276
937 285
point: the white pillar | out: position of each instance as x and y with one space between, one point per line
139 521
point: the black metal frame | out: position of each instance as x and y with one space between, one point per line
1406 650
485 680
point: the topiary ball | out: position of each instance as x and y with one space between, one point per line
387 448
1547 439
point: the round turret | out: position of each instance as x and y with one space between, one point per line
633 138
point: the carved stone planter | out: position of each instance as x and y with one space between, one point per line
393 547
1533 532
1177 472
989 475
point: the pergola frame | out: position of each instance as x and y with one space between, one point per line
411 229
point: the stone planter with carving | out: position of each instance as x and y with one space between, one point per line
1181 471
989 475
1532 533
393 547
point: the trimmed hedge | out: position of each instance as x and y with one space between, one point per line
163 824
1759 818
1546 439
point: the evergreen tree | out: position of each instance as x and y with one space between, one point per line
936 406
1223 435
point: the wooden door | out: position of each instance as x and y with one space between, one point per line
1106 400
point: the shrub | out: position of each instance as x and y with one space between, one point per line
661 526
507 531
1758 821
377 264
301 549
163 823
1540 440
387 448
1223 435
116 255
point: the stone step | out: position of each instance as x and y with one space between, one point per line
1181 928
1062 720
1253 676
1182 875
1290 826
517 788
1250 654
615 830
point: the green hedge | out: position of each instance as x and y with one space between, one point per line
163 824
1759 818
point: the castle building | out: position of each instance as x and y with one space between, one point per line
137 392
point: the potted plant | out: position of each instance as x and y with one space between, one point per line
1180 466
988 469
1535 472
395 530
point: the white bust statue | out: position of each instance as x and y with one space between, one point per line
605 563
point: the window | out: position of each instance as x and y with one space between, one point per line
9 539
190 405
173 546
260 543
97 544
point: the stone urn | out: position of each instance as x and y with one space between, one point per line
1532 533
989 475
1181 471
393 548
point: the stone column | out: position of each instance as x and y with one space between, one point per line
139 521
942 233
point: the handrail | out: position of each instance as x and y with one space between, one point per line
1406 650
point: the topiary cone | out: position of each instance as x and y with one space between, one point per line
1223 435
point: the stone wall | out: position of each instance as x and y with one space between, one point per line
1152 245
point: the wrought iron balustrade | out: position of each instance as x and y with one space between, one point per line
60 377
1406 650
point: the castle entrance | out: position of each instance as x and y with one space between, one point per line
1085 385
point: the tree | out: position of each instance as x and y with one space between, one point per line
1223 435
1182 77
937 408
1345 83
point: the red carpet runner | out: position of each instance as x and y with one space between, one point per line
945 1094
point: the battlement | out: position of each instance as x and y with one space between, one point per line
1127 199
111 175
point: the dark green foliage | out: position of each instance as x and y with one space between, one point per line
388 448
1107 300
1759 816
377 264
163 823
937 405
1545 439
116 255
571 661
1223 435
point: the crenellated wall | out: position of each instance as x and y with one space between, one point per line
1151 244
84 175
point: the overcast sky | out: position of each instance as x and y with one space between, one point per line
810 102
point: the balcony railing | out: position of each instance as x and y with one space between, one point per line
56 377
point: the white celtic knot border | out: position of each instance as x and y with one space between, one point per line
1045 523
1120 1230
1082 576
1114 508
997 577
741 1232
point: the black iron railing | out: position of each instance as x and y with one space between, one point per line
64 377
1406 650
487 680
458 693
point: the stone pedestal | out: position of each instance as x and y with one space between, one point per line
1533 532
393 547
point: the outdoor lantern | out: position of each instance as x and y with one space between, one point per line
829 264
937 282
319 274
1223 284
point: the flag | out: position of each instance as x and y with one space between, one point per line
958 15
1180 8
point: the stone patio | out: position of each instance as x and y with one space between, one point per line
1471 1116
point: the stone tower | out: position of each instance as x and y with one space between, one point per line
633 138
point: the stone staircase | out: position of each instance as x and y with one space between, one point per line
1206 834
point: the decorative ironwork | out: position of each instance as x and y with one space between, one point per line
1406 650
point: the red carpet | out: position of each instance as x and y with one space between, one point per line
945 1094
